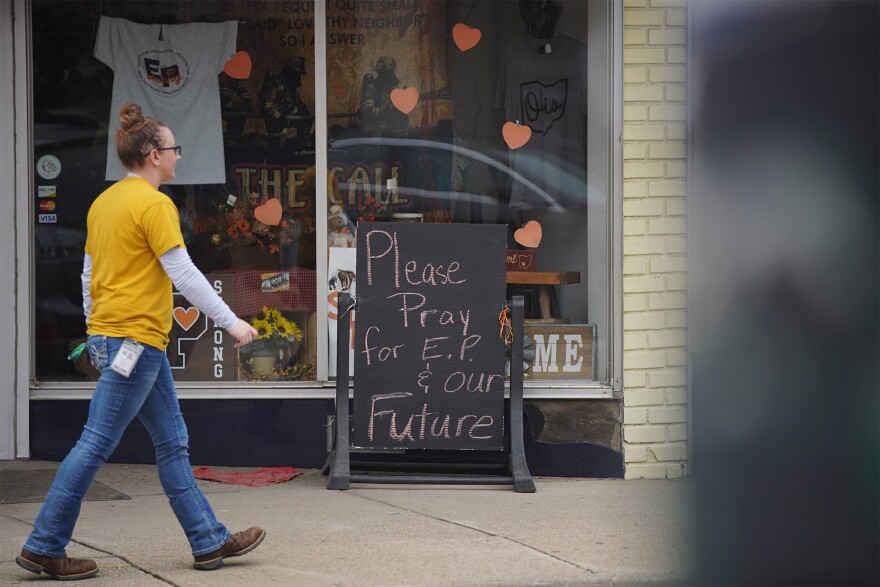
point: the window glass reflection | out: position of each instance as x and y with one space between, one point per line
475 111
251 231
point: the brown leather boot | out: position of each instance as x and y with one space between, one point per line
238 544
60 568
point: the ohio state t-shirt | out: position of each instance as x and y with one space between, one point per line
172 72
547 92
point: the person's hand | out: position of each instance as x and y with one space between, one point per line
243 333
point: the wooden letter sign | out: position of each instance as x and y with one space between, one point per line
562 351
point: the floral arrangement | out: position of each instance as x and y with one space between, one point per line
297 372
243 229
438 216
274 332
373 210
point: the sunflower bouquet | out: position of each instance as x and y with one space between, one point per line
275 332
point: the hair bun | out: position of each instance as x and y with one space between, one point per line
132 118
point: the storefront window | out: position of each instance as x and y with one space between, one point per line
438 111
483 112
245 187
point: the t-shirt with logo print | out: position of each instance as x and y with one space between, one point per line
172 72
547 91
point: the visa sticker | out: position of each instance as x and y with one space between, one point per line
48 218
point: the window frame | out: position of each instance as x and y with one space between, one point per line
323 386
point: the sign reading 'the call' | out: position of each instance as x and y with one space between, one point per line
429 360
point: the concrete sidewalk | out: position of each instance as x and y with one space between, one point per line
571 532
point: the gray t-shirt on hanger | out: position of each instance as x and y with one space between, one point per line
172 72
547 92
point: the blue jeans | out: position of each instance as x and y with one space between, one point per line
148 394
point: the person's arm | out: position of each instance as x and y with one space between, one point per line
193 284
86 279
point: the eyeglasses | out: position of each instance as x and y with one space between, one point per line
177 149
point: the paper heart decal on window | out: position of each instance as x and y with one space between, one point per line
405 100
269 213
515 134
239 66
465 37
186 318
529 235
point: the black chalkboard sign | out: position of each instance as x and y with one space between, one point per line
429 360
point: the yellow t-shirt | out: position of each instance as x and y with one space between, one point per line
130 226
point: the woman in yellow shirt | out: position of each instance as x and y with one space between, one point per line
134 252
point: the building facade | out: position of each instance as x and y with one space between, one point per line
410 110
655 163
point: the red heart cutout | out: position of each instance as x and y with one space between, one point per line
529 235
516 135
186 318
239 66
465 37
405 100
269 213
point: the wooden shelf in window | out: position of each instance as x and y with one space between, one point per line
545 280
543 277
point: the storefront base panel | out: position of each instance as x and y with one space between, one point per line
239 433
283 432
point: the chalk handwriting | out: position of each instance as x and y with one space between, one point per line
425 347
395 433
430 274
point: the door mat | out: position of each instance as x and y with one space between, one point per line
31 486
255 478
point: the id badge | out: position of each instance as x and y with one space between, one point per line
127 357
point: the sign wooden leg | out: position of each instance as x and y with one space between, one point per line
519 469
339 462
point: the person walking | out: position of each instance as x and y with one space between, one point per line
134 252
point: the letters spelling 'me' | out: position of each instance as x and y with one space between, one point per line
430 274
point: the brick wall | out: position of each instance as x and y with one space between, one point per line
654 252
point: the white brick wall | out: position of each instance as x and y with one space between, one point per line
654 245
